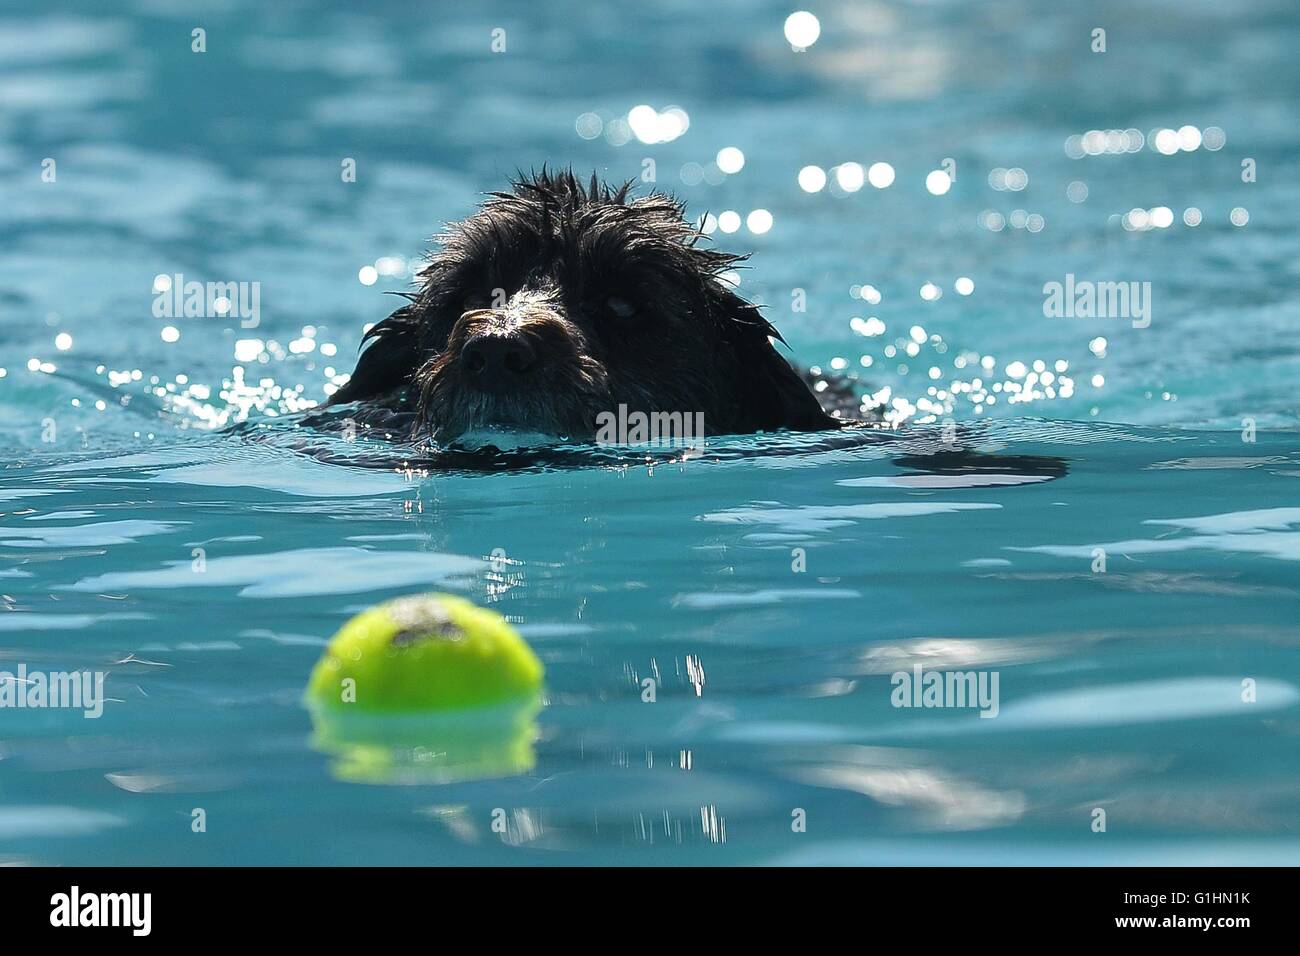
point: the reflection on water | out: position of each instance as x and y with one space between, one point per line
475 745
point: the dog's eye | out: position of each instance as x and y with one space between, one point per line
620 307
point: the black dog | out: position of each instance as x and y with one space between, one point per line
557 302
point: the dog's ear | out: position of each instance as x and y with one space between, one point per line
388 362
771 394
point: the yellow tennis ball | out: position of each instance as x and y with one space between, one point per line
427 653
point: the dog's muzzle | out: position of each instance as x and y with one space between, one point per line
525 366
501 351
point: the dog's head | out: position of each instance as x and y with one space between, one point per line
557 302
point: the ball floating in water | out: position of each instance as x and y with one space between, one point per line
429 653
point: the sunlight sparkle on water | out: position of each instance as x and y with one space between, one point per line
880 175
937 182
730 160
653 126
802 29
812 179
850 176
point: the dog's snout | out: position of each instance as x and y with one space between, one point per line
497 361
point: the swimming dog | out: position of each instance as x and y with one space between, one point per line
558 303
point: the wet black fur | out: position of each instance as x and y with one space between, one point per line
556 252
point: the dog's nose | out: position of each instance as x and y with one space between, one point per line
497 362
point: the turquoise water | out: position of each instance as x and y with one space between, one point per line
769 588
